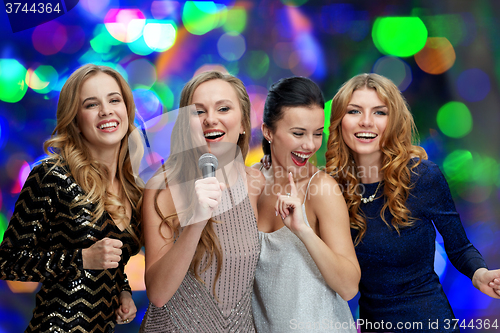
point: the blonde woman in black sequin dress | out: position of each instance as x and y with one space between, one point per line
75 224
200 270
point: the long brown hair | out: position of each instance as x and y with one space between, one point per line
178 166
396 145
66 145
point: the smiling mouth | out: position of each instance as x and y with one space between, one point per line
300 159
110 125
365 136
214 135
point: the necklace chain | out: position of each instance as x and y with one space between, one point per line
371 197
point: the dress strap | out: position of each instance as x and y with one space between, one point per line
308 184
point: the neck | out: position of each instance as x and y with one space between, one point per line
108 158
369 168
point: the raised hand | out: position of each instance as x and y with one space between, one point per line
208 195
103 254
289 207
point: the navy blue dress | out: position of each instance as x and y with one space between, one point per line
400 291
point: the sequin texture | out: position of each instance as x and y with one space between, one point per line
193 307
43 243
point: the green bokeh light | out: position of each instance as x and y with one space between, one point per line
258 65
103 41
236 20
454 119
12 81
399 36
294 3
328 112
3 225
486 170
200 17
165 95
49 76
458 166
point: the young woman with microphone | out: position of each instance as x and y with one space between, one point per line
201 254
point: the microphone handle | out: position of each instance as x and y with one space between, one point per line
208 170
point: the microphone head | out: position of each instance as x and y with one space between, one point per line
208 159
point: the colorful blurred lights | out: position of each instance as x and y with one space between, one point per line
236 20
200 17
49 38
399 36
12 81
437 56
473 85
395 69
43 79
160 36
454 119
125 25
231 46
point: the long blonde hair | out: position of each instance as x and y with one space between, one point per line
179 166
396 145
67 147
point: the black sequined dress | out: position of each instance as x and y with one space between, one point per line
44 243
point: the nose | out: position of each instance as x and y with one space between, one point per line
366 120
105 110
308 144
210 119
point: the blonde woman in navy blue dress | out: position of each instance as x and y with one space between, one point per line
396 198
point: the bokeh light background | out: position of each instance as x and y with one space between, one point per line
443 55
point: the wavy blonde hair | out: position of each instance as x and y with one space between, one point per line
397 146
67 147
184 167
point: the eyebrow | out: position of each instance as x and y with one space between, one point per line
92 98
376 107
303 129
222 101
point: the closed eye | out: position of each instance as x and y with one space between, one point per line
298 133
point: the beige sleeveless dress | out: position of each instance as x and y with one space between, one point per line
194 308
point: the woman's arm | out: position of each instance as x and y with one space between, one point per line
440 208
333 250
167 262
21 256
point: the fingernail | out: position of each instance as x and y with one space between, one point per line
276 213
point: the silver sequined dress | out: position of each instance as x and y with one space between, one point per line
193 308
290 294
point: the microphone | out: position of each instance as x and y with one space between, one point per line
208 164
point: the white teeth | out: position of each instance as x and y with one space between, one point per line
213 134
301 155
107 125
366 135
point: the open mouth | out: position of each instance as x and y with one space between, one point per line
300 159
108 126
214 135
365 135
